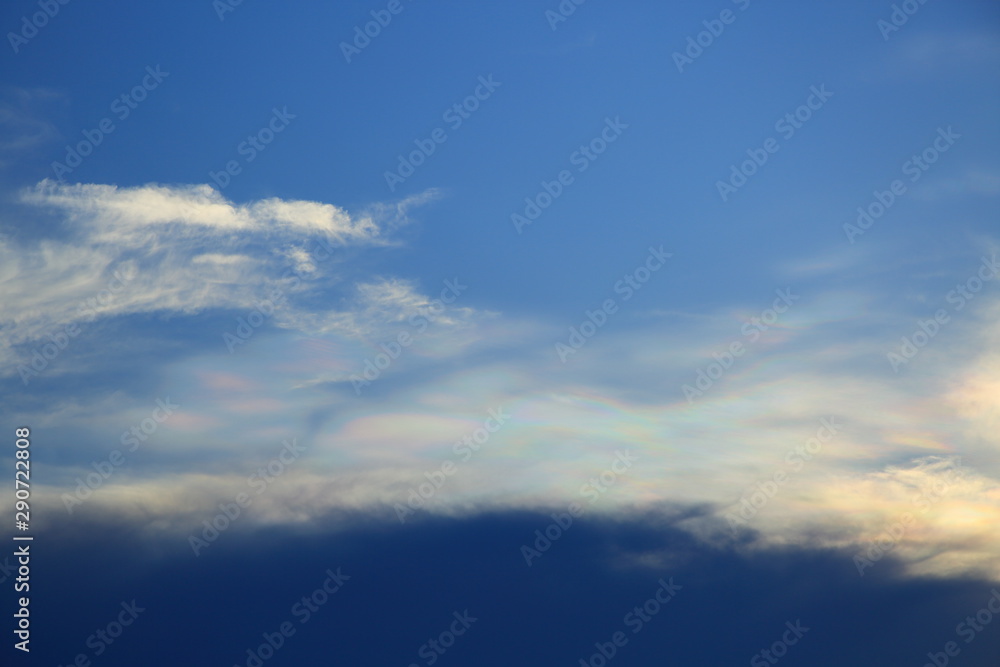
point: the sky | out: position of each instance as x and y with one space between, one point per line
648 333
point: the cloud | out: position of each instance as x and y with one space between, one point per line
23 129
895 436
985 183
406 583
380 308
174 250
945 50
397 214
113 215
185 250
919 55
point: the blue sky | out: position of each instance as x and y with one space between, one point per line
655 303
352 120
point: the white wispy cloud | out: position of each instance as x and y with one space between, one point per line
179 249
897 436
23 127
111 214
981 182
938 53
187 249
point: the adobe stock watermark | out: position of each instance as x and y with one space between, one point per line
247 326
627 286
968 629
762 492
393 350
455 116
779 648
434 648
31 25
381 18
302 610
122 276
42 356
464 450
581 158
635 620
915 167
105 468
562 12
707 377
6 570
252 146
104 637
900 15
896 530
713 30
122 107
259 481
927 329
223 7
786 126
592 490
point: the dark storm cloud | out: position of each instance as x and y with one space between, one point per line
390 590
